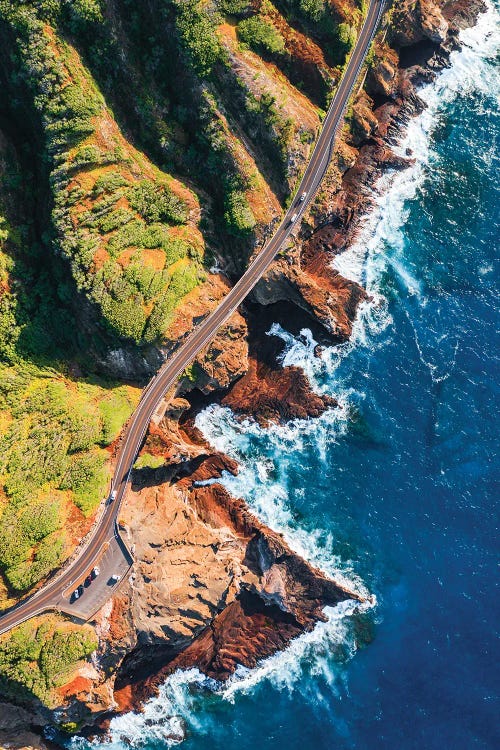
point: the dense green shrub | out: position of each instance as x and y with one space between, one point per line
114 411
109 182
238 215
314 10
86 10
126 318
181 283
148 461
196 30
87 476
261 35
236 7
347 36
136 234
47 556
51 441
35 659
157 203
20 530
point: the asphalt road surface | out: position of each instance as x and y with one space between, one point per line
55 594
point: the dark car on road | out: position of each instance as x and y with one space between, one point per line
80 589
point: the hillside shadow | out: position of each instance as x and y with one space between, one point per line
25 714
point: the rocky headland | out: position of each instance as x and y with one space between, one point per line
212 586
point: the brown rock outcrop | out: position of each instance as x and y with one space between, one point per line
364 122
214 586
462 14
314 286
17 728
415 21
225 358
275 395
383 74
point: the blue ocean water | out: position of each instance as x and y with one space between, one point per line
397 490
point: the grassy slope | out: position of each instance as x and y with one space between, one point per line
39 657
54 428
116 215
130 233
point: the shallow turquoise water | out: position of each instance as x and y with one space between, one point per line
396 491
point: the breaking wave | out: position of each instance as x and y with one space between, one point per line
180 706
470 71
267 457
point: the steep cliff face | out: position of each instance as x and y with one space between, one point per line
212 586
225 129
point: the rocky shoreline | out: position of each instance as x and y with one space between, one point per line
213 587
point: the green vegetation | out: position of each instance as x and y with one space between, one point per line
236 7
115 409
347 37
322 21
314 10
148 461
50 458
192 372
104 192
36 659
87 476
123 226
261 35
196 30
276 131
52 428
238 215
157 203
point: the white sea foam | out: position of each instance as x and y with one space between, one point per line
309 653
372 318
265 455
179 703
266 458
163 717
470 70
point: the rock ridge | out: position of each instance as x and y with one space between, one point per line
212 586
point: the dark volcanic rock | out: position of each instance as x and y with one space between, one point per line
275 395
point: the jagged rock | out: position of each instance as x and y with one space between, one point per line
462 14
434 26
16 728
270 593
316 288
364 122
275 395
383 74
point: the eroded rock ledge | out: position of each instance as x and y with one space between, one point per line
213 586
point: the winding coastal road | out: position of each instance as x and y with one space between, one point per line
104 546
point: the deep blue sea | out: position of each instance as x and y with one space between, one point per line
396 491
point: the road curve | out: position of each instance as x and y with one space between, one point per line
50 596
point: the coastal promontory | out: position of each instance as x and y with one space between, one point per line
148 151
